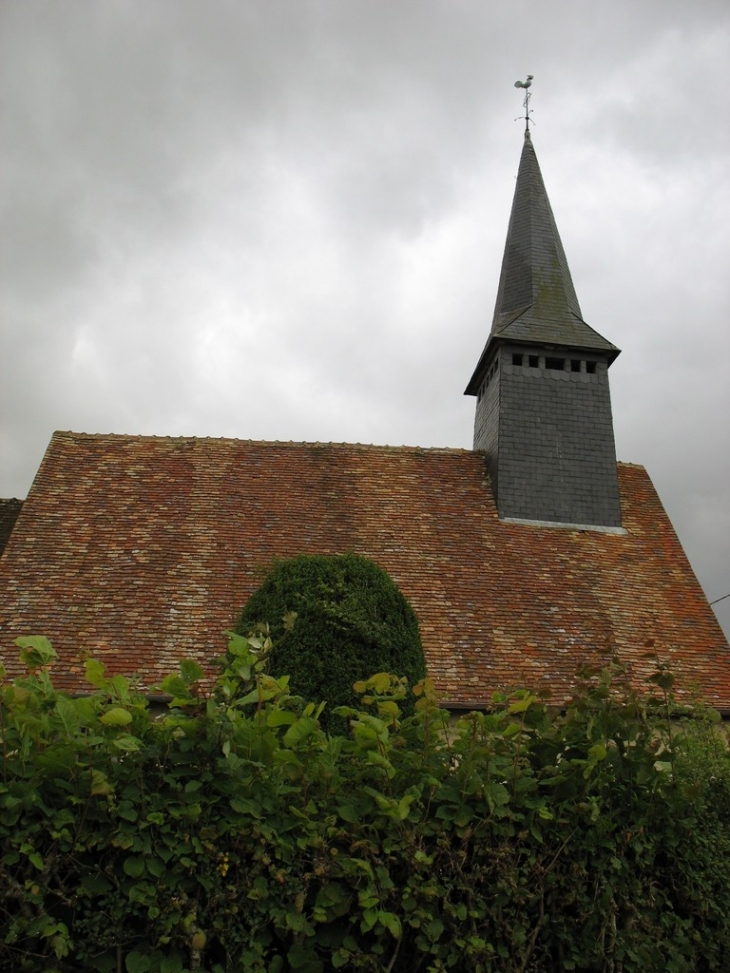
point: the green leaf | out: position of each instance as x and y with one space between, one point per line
190 671
127 811
127 743
369 919
100 785
521 705
404 806
363 866
496 794
380 682
434 929
67 714
134 867
300 731
95 673
280 717
597 752
176 687
137 962
244 806
297 923
286 758
116 717
388 709
155 867
391 923
36 651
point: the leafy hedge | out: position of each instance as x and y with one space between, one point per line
335 619
231 833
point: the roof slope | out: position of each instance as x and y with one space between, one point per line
536 299
142 550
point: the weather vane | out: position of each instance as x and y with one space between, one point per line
526 102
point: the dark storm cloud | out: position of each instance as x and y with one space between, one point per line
286 220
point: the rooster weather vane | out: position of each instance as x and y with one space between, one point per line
526 103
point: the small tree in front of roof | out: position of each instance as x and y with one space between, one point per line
334 620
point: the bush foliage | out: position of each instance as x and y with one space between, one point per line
231 833
335 619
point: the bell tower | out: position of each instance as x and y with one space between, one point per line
543 414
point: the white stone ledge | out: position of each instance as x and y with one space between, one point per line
558 523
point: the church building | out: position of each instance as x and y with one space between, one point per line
524 558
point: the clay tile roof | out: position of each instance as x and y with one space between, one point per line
142 550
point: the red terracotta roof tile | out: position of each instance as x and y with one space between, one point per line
142 550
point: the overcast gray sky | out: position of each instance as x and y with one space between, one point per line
284 219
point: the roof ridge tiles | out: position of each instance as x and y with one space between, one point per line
293 443
142 437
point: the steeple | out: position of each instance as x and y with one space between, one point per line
543 406
536 299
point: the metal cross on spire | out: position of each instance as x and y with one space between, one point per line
526 103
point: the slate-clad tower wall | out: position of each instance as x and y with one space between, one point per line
548 439
543 416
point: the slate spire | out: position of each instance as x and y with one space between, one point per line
536 299
543 414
